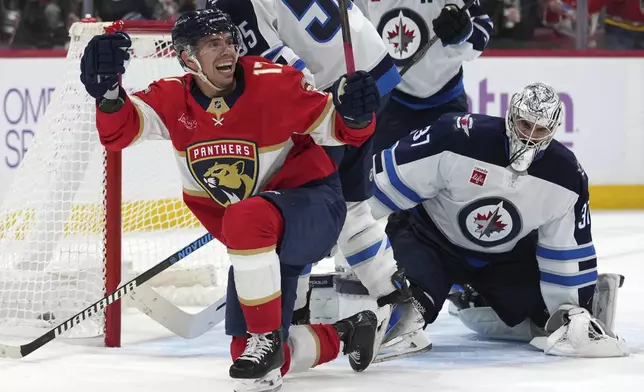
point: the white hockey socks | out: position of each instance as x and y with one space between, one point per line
258 285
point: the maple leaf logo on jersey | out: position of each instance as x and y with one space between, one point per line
401 37
489 223
404 32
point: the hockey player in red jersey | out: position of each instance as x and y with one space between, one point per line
247 136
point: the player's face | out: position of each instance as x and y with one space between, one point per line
530 132
217 55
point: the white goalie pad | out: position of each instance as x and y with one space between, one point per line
580 335
605 299
485 321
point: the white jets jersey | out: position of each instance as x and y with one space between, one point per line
455 177
406 26
307 33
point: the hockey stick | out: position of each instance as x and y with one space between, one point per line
423 51
346 37
173 318
98 306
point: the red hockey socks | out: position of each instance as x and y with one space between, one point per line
252 229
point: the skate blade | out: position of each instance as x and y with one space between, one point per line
404 346
383 314
271 382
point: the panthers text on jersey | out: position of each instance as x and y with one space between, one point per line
307 33
455 176
225 155
406 26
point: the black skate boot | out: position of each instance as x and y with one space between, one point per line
358 333
258 368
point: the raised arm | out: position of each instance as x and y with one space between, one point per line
121 119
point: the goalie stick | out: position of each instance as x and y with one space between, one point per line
423 51
26 349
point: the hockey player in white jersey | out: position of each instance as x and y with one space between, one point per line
499 204
434 85
306 34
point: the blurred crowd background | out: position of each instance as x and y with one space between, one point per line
519 24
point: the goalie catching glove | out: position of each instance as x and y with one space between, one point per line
578 334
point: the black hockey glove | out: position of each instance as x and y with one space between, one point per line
356 98
102 62
452 26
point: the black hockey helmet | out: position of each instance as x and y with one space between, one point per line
193 25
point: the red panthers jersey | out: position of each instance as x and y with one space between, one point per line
268 139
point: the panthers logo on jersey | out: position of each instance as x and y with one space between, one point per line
225 169
404 33
490 222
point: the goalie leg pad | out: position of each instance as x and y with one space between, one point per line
485 321
605 299
324 303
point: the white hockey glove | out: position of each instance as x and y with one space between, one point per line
578 334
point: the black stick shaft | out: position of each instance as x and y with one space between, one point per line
99 306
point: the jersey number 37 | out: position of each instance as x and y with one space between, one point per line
322 17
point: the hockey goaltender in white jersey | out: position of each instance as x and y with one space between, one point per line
496 203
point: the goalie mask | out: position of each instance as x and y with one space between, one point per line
531 121
191 26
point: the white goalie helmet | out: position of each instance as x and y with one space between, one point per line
533 117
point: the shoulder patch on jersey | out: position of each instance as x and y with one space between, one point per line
490 221
226 168
465 123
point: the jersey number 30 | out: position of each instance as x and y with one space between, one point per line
322 17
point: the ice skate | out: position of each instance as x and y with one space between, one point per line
404 335
258 368
358 333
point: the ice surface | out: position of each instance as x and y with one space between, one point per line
151 359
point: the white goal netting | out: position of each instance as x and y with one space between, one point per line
52 221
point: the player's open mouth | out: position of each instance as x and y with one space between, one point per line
225 68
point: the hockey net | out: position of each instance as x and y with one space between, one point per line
59 243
